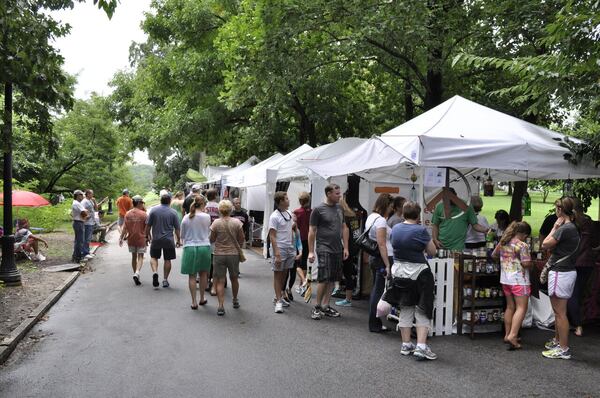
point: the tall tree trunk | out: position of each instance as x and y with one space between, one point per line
306 128
409 105
435 88
510 189
516 207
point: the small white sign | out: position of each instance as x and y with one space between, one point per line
435 177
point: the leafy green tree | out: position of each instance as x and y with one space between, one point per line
171 103
545 187
91 153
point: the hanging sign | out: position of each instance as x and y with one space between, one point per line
435 177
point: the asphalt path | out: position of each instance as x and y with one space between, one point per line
109 338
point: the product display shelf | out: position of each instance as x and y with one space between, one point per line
480 296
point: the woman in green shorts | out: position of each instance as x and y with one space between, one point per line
195 233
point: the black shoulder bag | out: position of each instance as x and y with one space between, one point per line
365 243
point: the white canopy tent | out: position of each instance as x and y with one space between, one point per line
234 171
213 173
462 134
245 179
303 179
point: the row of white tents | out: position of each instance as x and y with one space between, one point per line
458 133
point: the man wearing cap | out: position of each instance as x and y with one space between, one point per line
134 228
90 207
190 199
79 215
161 223
124 204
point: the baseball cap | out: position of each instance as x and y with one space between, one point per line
138 198
77 192
126 191
164 192
196 187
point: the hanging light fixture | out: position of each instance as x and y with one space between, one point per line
413 190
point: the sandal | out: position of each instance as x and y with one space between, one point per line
220 311
203 302
513 347
236 303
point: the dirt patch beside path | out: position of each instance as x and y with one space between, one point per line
16 303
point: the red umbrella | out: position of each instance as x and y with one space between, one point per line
25 199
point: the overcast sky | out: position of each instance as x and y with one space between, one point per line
98 47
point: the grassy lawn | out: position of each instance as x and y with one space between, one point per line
539 210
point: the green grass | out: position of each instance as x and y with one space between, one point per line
539 210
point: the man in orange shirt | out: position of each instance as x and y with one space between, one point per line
134 229
124 204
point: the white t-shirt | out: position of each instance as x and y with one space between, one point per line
474 236
282 222
196 231
76 209
88 205
379 222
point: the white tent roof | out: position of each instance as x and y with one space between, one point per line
249 176
216 173
258 175
296 168
213 173
462 134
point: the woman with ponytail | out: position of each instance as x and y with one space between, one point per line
195 233
563 241
515 259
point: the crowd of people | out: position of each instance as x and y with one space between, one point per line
213 235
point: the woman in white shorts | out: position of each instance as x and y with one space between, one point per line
563 241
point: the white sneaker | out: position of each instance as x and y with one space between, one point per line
89 256
41 257
284 302
407 349
278 308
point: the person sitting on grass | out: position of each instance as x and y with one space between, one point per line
28 243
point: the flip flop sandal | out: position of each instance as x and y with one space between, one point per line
203 302
194 307
513 347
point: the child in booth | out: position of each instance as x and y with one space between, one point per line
515 260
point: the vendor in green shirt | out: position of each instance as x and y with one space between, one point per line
451 233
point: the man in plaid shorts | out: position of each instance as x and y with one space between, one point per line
328 236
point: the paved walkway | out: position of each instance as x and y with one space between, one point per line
108 338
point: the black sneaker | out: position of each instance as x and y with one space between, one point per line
289 295
331 312
155 280
316 313
136 279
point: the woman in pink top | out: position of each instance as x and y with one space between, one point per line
515 261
